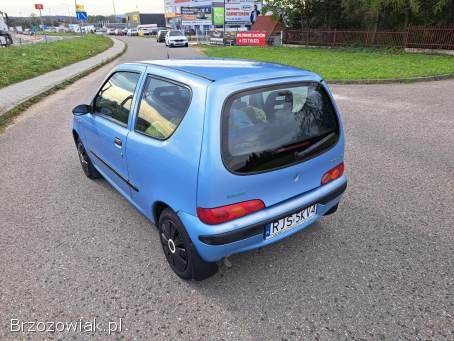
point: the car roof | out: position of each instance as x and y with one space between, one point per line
221 69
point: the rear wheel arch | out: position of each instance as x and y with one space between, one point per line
158 208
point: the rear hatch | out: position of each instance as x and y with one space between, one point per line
276 143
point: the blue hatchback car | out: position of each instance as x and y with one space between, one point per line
223 156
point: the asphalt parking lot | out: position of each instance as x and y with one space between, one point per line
381 268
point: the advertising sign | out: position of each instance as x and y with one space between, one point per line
216 37
39 6
251 38
218 16
198 15
80 8
239 12
170 12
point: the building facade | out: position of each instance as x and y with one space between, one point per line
136 18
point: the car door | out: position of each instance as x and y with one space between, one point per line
107 127
153 150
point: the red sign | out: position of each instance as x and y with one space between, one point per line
39 6
251 38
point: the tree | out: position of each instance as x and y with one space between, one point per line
293 12
371 14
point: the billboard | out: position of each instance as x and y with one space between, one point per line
218 16
196 15
80 8
239 12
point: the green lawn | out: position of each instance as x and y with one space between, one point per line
344 63
20 63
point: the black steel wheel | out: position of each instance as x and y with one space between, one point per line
174 246
88 168
179 251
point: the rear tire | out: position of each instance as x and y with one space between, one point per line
179 251
87 166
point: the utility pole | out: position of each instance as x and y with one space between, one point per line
42 26
78 21
223 27
115 12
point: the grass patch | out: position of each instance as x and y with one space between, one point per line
8 117
344 64
28 61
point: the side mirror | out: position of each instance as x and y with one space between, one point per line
82 109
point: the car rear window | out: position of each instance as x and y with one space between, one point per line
269 128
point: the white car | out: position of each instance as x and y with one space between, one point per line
176 38
132 32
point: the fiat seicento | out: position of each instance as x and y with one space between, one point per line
223 156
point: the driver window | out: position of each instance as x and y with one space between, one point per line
115 97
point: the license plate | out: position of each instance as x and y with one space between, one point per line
287 223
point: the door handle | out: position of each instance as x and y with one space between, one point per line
118 142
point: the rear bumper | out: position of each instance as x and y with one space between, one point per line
213 242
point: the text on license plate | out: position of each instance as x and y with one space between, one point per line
289 222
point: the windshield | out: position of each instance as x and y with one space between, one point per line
175 33
274 127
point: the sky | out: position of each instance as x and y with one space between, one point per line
66 7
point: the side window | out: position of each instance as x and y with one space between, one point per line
115 97
162 107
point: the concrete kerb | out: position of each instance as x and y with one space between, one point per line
116 50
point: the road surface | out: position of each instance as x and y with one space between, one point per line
381 268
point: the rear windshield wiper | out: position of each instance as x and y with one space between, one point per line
314 146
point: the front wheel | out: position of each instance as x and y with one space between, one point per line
88 168
180 253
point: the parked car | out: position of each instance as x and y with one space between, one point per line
145 31
156 30
132 32
161 36
119 32
189 32
223 156
110 31
5 38
176 38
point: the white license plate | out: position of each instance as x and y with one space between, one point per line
287 223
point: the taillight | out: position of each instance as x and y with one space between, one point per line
333 174
218 215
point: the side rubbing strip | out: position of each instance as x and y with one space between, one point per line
115 172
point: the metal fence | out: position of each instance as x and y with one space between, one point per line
427 38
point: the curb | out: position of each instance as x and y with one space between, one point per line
8 116
74 73
394 80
